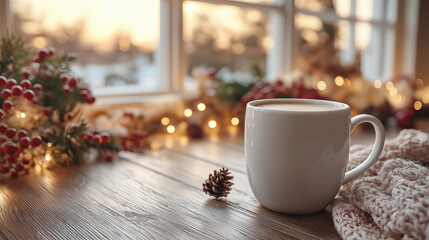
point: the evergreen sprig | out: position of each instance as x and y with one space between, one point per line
14 55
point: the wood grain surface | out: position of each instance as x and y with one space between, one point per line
157 195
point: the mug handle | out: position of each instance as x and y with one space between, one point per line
376 150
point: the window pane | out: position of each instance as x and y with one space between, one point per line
225 36
115 41
262 1
314 5
374 41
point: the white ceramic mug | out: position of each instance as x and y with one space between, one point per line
296 160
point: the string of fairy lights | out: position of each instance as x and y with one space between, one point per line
389 87
212 123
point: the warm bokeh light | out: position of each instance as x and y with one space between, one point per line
48 157
21 115
347 82
201 107
40 42
377 83
339 81
235 121
425 98
171 129
419 83
418 105
393 91
321 85
187 112
389 85
212 124
165 121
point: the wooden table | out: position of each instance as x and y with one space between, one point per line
157 195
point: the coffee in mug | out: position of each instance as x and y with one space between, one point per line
296 152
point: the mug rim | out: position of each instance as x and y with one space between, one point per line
254 105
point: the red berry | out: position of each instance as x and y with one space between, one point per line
37 87
25 73
10 148
36 141
10 83
11 132
22 133
28 94
4 169
3 81
36 59
64 78
46 112
84 94
14 174
73 126
68 116
25 161
95 131
105 139
25 84
86 137
108 157
42 52
72 82
19 167
90 99
405 118
16 90
3 128
97 138
2 139
7 105
24 142
51 51
6 94
2 113
66 89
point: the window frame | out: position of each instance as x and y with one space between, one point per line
281 59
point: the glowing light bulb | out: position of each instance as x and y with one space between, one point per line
393 91
171 129
425 98
48 157
235 121
212 124
321 85
201 107
339 81
21 115
389 85
417 105
419 83
187 112
377 83
165 121
347 82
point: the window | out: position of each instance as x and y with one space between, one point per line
357 26
116 41
136 47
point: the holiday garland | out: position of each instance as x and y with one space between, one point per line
40 117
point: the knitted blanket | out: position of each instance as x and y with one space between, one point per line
391 199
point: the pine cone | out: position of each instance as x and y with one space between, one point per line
219 184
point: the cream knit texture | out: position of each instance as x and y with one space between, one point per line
391 199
